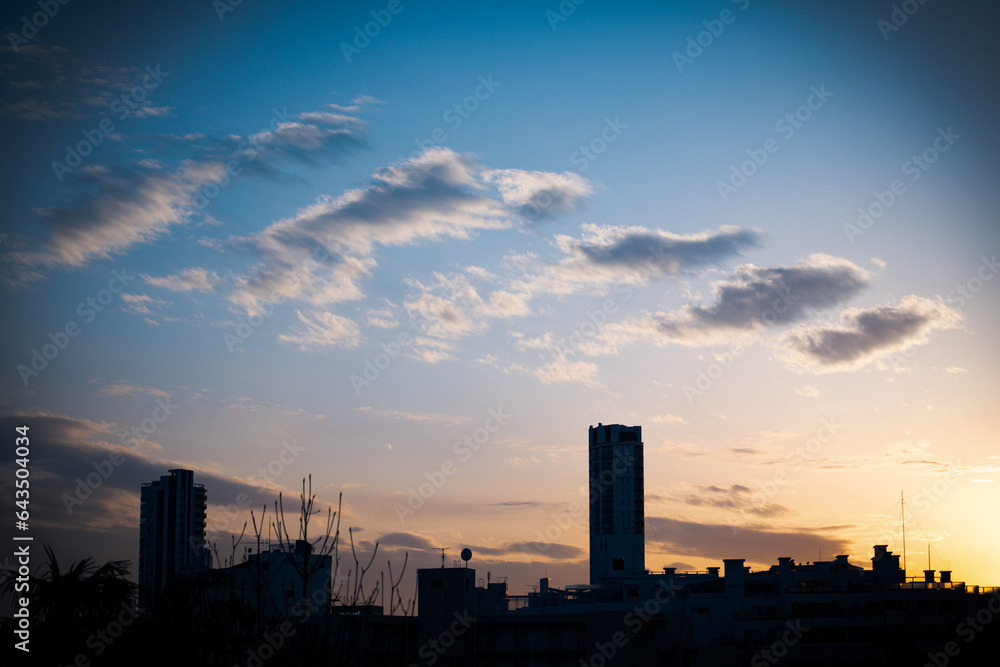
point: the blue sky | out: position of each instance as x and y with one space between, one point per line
563 221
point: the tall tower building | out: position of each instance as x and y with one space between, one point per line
617 517
171 532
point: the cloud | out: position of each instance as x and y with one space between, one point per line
517 550
49 83
748 300
435 196
718 541
111 209
309 136
536 194
737 497
562 369
550 550
869 334
607 255
142 304
808 390
193 279
429 350
413 416
323 330
625 247
358 102
381 318
117 209
452 306
762 296
123 388
667 419
406 540
66 451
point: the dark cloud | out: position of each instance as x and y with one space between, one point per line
719 541
669 253
46 83
406 540
550 550
871 333
75 482
514 550
737 498
762 296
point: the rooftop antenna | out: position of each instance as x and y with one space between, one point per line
443 549
902 519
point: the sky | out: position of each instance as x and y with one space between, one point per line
416 249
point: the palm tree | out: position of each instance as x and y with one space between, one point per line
69 606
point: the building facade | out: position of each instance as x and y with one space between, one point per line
171 532
617 515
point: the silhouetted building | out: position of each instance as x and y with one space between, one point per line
617 518
171 532
280 583
823 613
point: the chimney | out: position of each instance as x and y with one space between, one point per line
928 576
945 576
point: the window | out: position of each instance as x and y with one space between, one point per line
437 583
618 564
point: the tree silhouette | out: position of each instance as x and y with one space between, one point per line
68 606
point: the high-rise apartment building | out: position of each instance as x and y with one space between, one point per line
171 532
617 517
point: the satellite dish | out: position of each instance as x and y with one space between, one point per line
466 555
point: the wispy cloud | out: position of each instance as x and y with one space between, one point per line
115 210
48 83
111 209
323 330
735 497
123 388
435 196
454 305
188 280
667 419
428 417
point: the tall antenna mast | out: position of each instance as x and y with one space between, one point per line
902 519
443 549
